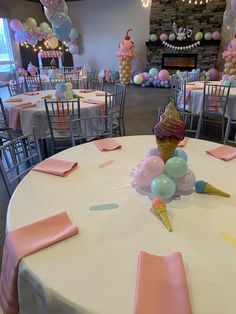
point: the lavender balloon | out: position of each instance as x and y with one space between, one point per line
186 183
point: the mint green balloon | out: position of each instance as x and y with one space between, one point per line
163 187
176 167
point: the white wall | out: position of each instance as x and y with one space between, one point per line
103 24
20 9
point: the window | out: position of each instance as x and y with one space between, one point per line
6 55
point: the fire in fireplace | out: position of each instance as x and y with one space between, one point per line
179 61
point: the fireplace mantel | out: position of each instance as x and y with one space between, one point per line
159 43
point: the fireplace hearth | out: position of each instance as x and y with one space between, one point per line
182 61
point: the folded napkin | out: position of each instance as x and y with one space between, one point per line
99 103
31 93
107 144
161 286
14 100
86 90
100 94
223 152
56 166
183 142
23 242
14 115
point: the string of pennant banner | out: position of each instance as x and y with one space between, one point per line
181 48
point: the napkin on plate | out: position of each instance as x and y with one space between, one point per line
183 142
14 115
56 166
223 152
14 100
23 242
86 90
107 144
161 286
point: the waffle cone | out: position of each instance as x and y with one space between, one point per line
209 189
162 213
125 71
167 147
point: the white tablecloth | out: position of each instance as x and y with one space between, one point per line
36 116
95 272
195 99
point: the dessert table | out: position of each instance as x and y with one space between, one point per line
95 271
195 98
35 116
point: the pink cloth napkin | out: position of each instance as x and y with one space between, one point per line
23 242
100 94
100 103
14 115
56 166
183 142
107 144
223 152
161 286
86 90
14 100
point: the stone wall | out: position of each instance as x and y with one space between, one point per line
204 18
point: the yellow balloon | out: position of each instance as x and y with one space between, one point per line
53 42
226 71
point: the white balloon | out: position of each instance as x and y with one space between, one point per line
53 42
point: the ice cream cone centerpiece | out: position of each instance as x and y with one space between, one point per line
169 131
126 54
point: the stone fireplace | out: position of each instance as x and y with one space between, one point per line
204 18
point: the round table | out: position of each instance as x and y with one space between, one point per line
36 116
95 271
195 98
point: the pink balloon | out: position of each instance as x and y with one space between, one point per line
163 37
216 35
153 166
142 180
153 152
16 25
164 75
233 6
186 183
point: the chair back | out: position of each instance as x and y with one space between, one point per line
58 113
215 99
16 89
33 83
180 94
4 127
193 77
173 79
94 84
55 81
87 129
73 78
68 69
91 75
113 107
18 157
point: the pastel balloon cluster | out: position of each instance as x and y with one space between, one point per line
29 31
56 12
164 180
108 76
64 91
152 78
230 58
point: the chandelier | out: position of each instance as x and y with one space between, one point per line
146 3
197 1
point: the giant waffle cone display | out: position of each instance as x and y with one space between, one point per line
167 147
125 70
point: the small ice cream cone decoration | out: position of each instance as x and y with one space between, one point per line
160 210
206 188
126 54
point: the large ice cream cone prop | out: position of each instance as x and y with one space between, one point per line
126 54
159 207
169 131
206 188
